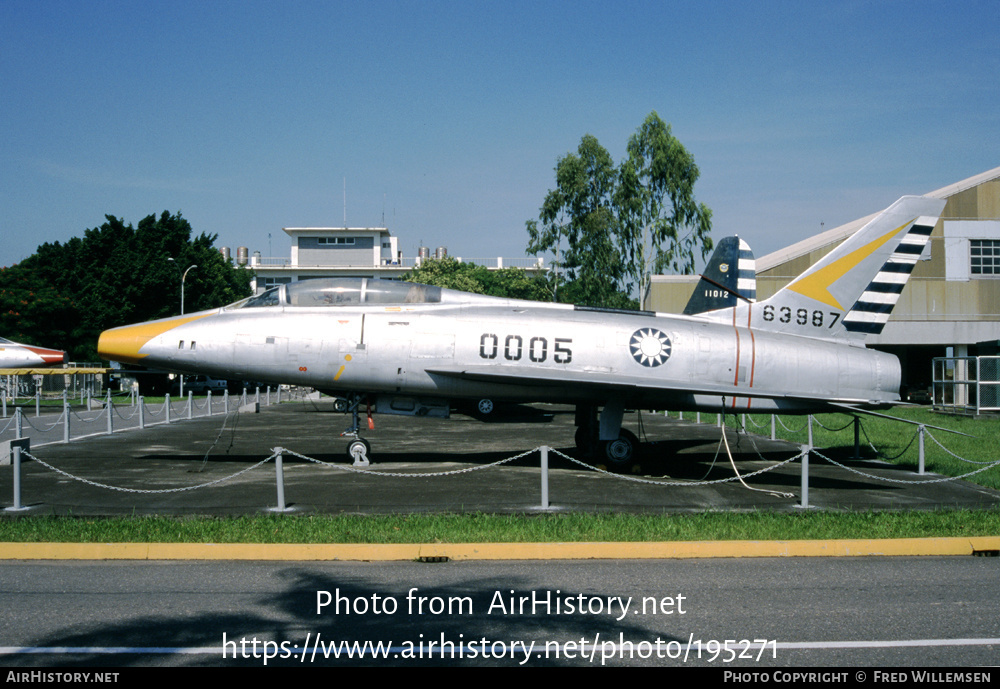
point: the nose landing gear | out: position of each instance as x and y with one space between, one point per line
358 449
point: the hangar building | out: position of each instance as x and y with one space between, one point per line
951 304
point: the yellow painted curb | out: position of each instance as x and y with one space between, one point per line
496 551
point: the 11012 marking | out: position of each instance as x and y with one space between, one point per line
515 348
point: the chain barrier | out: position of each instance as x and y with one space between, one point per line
146 490
780 421
121 416
755 424
454 472
961 459
9 422
943 479
636 479
878 453
83 420
832 430
26 419
149 410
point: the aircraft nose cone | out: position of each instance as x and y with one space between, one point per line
51 356
48 356
122 344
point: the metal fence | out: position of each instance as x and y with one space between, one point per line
967 384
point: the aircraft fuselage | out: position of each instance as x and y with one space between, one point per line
521 351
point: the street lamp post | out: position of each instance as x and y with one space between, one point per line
183 277
182 286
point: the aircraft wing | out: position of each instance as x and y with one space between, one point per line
599 380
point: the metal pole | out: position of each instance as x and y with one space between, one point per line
190 404
16 461
805 475
110 409
17 422
38 401
166 407
920 431
810 431
65 420
225 401
773 436
269 395
545 477
857 437
142 412
208 403
280 478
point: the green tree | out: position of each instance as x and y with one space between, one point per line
580 212
512 283
661 224
115 274
610 227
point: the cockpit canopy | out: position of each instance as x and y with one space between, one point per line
344 292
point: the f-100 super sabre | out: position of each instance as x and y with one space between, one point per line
413 349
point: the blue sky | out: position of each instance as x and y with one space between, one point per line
447 118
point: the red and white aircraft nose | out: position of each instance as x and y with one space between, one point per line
49 356
17 355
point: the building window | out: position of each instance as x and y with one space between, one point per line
268 283
985 258
341 241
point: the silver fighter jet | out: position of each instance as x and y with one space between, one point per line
17 355
403 348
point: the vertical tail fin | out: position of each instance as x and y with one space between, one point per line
851 291
730 276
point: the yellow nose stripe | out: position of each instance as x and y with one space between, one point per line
123 344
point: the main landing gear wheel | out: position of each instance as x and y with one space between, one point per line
485 407
358 450
341 405
620 454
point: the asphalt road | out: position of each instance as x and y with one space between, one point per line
871 613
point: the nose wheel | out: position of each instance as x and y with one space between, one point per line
358 451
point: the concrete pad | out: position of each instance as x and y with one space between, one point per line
436 465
